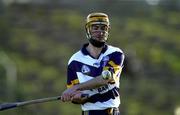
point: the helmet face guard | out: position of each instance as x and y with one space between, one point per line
97 18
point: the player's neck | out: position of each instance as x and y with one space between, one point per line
94 51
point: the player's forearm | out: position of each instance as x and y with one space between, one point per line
93 83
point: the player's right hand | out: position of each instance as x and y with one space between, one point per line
68 94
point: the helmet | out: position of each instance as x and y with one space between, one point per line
96 18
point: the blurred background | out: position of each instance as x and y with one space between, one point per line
37 38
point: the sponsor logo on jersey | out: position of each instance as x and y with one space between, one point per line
97 64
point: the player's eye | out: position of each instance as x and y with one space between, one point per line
101 27
104 27
95 27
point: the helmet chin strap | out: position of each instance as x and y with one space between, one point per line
96 43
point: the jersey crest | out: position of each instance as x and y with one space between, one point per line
85 69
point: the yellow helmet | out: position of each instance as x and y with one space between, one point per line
96 18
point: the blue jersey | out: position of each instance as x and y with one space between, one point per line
83 67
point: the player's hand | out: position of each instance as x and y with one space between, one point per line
79 97
68 94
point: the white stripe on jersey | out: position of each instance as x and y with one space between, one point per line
86 59
101 105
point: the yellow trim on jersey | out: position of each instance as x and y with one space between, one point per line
74 82
117 69
106 68
115 66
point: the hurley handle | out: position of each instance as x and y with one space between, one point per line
7 106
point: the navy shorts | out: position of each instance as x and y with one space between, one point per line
109 111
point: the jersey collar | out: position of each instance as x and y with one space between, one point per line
85 52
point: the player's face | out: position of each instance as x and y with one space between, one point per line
99 32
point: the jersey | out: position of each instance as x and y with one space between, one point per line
83 67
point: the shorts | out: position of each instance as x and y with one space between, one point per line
109 111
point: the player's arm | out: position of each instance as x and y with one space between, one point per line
74 92
104 79
96 82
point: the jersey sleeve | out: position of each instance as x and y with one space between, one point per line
115 64
72 78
